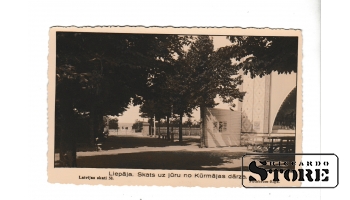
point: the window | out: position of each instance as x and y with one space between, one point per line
221 126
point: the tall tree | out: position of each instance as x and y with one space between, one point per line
211 74
162 99
181 96
99 73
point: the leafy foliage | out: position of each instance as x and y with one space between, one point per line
210 74
98 74
113 123
109 69
262 55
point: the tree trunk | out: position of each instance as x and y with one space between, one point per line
202 114
180 128
150 128
167 127
68 153
94 127
92 138
172 132
62 143
159 128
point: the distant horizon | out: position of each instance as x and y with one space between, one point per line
132 113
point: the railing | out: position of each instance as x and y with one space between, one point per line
185 131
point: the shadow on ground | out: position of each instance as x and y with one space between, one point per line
187 158
118 142
178 160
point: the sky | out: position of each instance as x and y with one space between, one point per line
132 113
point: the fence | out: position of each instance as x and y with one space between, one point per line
185 131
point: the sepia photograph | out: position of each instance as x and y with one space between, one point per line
176 100
162 101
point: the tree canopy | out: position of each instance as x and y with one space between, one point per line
110 68
261 55
198 77
210 74
98 74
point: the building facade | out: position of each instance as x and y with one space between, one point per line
256 114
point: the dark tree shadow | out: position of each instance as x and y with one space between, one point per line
119 142
179 160
127 141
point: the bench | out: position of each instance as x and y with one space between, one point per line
270 145
257 144
162 136
284 145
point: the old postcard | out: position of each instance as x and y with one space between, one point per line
166 106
